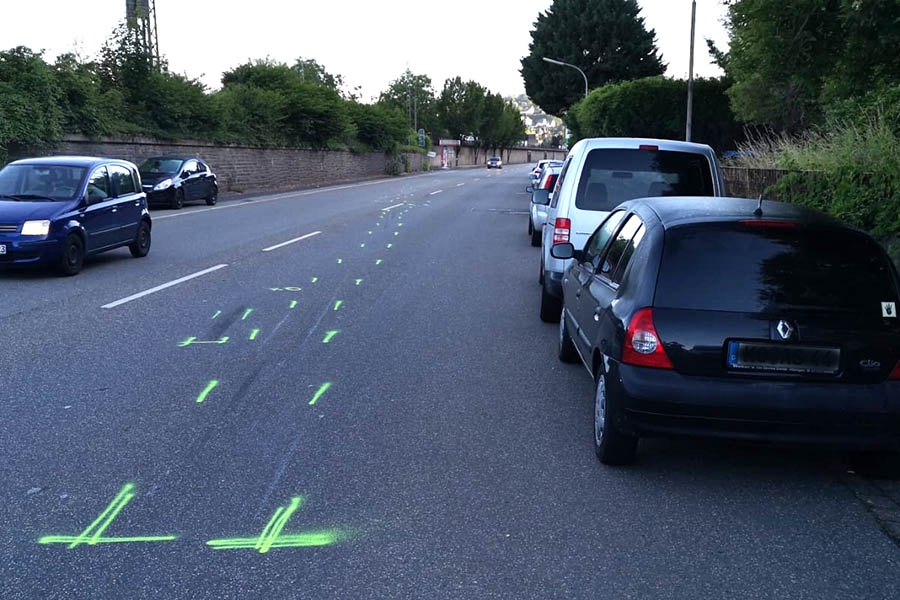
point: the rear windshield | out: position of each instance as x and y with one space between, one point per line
735 267
613 175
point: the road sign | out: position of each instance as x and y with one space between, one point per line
422 137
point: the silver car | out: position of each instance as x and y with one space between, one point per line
541 195
601 173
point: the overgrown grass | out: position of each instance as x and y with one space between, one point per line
850 169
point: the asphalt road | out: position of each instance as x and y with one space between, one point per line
383 416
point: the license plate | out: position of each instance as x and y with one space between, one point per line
783 358
2 248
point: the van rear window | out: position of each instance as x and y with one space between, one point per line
733 267
614 175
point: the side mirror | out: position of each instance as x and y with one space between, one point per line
563 251
529 189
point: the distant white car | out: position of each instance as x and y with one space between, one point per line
494 162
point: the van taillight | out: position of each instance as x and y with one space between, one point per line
643 347
561 231
895 374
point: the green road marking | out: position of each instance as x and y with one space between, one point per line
253 334
377 261
370 233
389 246
271 534
329 335
276 289
399 224
218 312
193 340
209 387
362 245
359 281
246 314
315 279
322 389
293 304
396 233
294 289
340 261
93 534
337 304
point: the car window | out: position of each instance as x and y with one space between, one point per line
201 167
619 247
767 269
559 182
190 167
614 175
593 249
157 166
633 243
98 188
122 180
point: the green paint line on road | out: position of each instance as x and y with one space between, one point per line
389 246
93 534
337 304
246 314
396 233
293 304
193 340
370 233
378 261
275 289
322 389
209 387
359 281
218 312
329 335
314 279
362 245
253 334
68 539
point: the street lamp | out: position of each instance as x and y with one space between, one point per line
565 64
690 98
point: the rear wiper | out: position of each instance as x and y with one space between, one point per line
31 197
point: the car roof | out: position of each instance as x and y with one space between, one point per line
675 211
70 161
629 143
181 158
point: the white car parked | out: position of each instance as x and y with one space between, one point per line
601 173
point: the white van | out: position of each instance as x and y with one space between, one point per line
601 173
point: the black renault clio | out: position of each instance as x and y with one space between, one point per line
727 317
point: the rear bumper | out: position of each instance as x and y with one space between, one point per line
659 401
553 283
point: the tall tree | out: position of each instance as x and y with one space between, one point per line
460 107
779 56
607 39
413 95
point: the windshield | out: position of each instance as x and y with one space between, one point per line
613 175
41 182
734 267
160 166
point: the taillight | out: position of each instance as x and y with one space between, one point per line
648 147
895 374
643 347
561 231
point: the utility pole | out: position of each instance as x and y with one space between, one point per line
690 99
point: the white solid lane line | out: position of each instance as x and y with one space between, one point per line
435 192
163 286
282 244
386 208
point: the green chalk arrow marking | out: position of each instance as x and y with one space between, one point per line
329 335
321 391
209 387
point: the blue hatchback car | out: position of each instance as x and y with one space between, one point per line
57 210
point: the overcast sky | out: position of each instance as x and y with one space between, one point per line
368 42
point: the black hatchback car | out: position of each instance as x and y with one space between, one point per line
171 181
709 316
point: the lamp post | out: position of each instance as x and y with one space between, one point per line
690 98
565 64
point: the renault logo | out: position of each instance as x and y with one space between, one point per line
785 330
